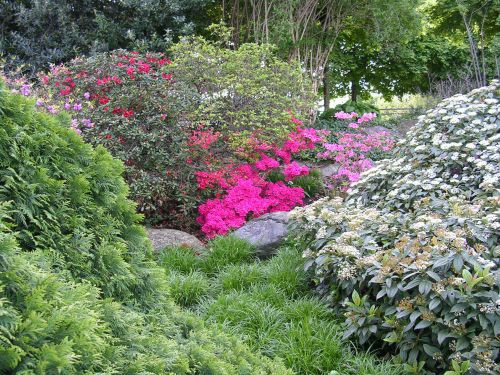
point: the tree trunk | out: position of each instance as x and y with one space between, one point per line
326 88
354 90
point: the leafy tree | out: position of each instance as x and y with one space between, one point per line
474 22
375 50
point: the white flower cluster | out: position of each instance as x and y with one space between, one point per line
452 151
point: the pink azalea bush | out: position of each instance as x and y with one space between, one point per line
352 148
242 190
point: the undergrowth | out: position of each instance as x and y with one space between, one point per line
268 305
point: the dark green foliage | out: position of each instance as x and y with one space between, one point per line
224 251
79 292
178 259
71 202
358 107
286 271
42 32
187 290
311 183
240 277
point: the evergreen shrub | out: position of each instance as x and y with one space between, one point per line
411 256
79 289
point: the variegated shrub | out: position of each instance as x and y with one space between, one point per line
411 255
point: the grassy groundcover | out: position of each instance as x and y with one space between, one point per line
268 305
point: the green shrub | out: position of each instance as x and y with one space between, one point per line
286 271
247 91
311 183
256 320
35 34
312 345
188 290
131 105
350 106
71 201
413 252
79 292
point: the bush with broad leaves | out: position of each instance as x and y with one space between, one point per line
411 256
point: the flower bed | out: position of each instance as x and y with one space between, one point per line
353 147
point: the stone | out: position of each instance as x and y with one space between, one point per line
162 238
266 233
329 170
376 129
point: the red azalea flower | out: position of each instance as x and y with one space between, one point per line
166 76
164 61
45 80
108 136
144 68
65 91
128 113
104 100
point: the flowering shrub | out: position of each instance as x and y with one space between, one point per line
244 190
352 148
245 92
151 114
412 252
130 103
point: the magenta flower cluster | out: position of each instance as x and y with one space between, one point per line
245 192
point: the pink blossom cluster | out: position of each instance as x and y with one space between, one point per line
243 189
345 116
294 169
244 201
351 149
366 117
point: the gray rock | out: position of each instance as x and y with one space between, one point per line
329 170
376 129
266 233
162 238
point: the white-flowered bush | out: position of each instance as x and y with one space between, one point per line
411 255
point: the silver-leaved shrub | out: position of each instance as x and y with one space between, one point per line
411 255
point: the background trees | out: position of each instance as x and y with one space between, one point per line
346 46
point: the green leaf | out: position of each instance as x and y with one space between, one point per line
434 303
423 324
442 335
356 299
431 350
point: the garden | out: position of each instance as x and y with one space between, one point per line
335 214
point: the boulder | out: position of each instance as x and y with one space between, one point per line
266 233
162 238
329 170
